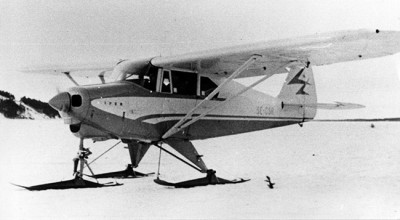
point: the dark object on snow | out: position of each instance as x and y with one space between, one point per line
270 184
372 126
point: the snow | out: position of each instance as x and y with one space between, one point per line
31 113
323 170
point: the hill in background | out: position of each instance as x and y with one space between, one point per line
25 108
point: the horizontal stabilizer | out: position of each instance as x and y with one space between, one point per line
339 106
327 106
359 120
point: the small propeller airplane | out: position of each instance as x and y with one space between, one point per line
178 99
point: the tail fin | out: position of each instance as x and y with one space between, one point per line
298 93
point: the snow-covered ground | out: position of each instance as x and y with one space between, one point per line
323 170
31 113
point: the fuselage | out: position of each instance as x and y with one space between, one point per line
145 108
128 111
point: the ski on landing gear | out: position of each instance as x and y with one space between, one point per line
186 149
75 183
78 181
210 179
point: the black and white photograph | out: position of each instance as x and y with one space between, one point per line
184 109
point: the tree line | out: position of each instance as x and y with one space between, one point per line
11 109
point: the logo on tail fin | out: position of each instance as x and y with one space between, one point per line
296 80
301 91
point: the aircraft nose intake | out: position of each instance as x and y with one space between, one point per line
61 102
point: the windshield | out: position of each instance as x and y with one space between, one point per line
135 78
129 69
147 80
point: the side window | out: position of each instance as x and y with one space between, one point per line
207 86
166 82
184 83
150 79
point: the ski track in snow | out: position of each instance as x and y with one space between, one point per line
323 170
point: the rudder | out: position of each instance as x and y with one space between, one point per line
298 93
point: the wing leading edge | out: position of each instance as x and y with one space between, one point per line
319 49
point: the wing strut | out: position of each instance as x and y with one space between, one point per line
180 125
70 78
101 76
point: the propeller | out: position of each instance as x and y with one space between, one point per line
61 102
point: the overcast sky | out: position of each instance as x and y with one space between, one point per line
39 33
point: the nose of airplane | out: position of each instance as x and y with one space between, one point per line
61 102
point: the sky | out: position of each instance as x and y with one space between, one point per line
43 33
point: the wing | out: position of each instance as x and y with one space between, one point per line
83 70
319 49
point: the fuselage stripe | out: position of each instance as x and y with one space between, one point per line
153 119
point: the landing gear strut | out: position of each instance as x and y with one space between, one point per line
78 181
81 158
137 150
129 172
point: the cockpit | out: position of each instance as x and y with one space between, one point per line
170 81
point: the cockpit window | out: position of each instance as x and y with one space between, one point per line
166 82
180 82
133 78
150 79
184 83
207 86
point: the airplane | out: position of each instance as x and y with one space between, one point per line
177 99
